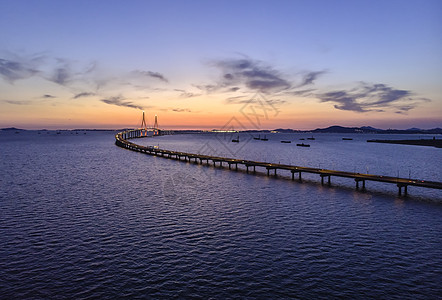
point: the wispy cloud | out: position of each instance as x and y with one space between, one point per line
18 102
309 77
237 100
372 97
12 70
181 110
84 94
61 75
253 74
208 88
47 96
120 101
247 100
151 74
57 70
186 94
246 74
302 93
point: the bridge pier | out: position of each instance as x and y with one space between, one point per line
400 186
233 163
247 167
254 168
220 163
299 175
268 171
357 183
322 179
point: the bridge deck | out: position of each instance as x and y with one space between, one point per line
400 182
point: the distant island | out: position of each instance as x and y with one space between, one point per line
364 129
12 129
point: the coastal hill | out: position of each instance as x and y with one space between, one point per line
12 129
368 129
364 129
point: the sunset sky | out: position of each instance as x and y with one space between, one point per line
214 64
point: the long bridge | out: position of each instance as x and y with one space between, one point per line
122 140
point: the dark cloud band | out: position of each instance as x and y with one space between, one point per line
371 97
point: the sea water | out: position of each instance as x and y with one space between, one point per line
82 218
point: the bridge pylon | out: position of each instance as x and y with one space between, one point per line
143 126
155 126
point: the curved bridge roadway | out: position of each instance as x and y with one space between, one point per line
121 140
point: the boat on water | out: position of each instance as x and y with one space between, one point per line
311 138
303 145
347 139
265 138
302 139
236 140
257 138
286 142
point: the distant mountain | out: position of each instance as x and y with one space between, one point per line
434 131
369 129
414 129
281 130
12 129
341 129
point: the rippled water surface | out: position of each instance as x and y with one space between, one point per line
81 218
